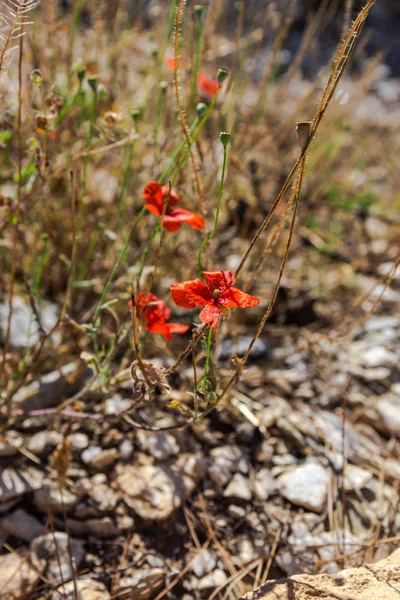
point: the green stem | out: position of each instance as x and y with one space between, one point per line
43 259
125 179
176 153
214 229
117 264
203 381
199 36
194 137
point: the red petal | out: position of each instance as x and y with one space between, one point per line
210 314
177 327
235 298
160 327
171 223
152 193
173 196
170 63
188 217
207 86
190 294
219 280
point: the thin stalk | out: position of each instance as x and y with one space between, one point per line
204 379
125 176
117 264
182 122
195 136
199 37
86 161
175 155
214 229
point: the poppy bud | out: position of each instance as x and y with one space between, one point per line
303 130
201 109
81 72
198 11
222 75
92 81
224 136
135 114
37 77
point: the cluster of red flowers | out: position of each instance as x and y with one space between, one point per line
217 296
174 217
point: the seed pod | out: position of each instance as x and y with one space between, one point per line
303 130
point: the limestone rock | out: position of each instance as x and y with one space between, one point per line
21 525
306 486
378 581
149 491
88 589
48 550
16 577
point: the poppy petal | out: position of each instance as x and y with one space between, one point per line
235 298
171 223
219 280
160 327
153 207
190 294
177 327
188 217
152 193
173 196
209 87
210 314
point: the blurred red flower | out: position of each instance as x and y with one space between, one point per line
175 217
155 314
216 295
208 87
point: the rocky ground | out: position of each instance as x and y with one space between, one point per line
298 472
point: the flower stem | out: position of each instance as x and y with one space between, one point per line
168 168
117 264
128 163
214 229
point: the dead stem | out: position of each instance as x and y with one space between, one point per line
62 312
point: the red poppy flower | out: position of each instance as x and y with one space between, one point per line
170 63
155 315
175 217
208 87
217 295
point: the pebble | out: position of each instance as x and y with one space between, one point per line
264 484
213 580
21 525
226 460
104 497
160 445
50 555
379 356
265 452
238 487
116 405
141 585
88 589
204 562
24 331
388 409
10 443
306 486
99 459
238 346
125 450
355 477
50 498
149 491
44 442
17 579
78 442
15 482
